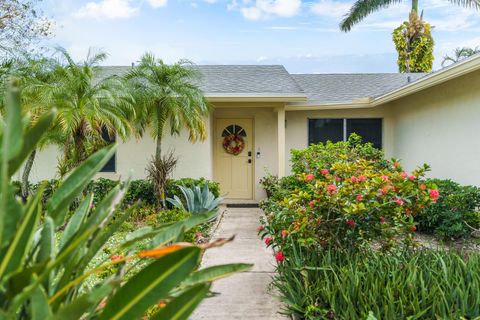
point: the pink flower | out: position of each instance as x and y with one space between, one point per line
422 186
331 188
404 174
362 178
384 178
284 233
359 197
279 256
434 194
399 201
382 220
268 240
309 177
354 179
338 179
260 228
412 177
396 164
324 171
312 203
350 223
116 257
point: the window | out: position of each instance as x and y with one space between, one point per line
110 166
335 130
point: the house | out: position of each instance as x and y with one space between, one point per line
420 118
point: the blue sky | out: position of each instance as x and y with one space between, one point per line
301 35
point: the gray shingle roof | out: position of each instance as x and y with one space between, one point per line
331 88
257 80
238 79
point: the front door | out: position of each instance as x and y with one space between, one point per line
233 157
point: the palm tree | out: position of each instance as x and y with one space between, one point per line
169 96
362 8
459 55
87 104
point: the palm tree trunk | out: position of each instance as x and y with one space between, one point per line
158 151
26 173
415 5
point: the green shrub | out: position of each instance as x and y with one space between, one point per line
172 186
195 200
457 205
323 155
100 188
141 190
345 285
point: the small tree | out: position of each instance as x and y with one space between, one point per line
168 95
459 55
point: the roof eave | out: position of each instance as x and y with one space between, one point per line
234 97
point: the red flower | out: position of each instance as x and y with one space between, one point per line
412 177
309 177
312 203
434 194
350 223
324 171
384 178
423 186
396 164
413 228
404 174
408 211
399 201
382 220
260 228
331 188
359 197
362 178
116 257
284 233
279 256
338 178
268 240
354 179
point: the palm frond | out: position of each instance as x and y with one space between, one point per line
361 9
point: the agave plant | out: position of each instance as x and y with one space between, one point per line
45 258
198 200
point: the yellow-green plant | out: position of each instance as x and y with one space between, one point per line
43 270
414 44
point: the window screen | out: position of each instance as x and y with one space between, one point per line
110 166
369 129
323 130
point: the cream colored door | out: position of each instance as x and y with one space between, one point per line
234 172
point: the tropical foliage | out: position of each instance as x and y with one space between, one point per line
459 55
43 275
412 39
169 98
198 200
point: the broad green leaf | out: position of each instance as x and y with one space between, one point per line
14 210
214 273
76 220
31 139
182 306
13 130
22 241
59 203
77 308
40 310
47 241
151 284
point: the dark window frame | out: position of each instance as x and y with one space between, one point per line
345 127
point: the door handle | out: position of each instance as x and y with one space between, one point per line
249 160
249 153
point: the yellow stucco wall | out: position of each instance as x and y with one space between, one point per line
440 126
297 126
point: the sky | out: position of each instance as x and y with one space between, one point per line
301 35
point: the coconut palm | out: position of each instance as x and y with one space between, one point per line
169 97
459 55
87 105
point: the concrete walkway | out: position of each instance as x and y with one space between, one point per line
244 295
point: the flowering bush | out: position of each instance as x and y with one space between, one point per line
356 200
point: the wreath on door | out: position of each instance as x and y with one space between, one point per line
233 144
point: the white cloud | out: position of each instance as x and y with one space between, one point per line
107 9
158 3
263 9
330 8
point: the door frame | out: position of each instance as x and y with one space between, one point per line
215 147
